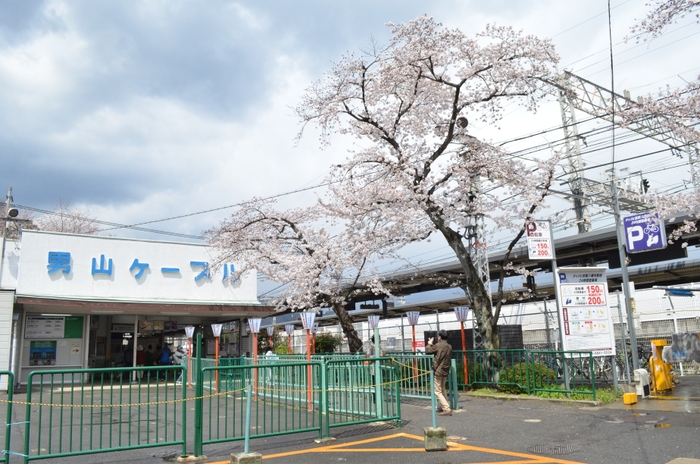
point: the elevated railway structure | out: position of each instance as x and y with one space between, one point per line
667 267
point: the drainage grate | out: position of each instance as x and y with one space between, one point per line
552 449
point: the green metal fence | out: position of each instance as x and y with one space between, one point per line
414 373
87 411
522 371
10 379
563 371
284 401
359 391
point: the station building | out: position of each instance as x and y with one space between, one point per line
71 301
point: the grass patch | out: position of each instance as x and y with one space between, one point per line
603 395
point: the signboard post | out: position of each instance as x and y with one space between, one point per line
586 319
539 240
644 232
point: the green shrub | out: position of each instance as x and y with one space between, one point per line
327 343
514 379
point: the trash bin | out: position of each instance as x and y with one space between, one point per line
642 382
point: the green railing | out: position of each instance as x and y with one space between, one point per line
414 373
485 367
563 371
358 391
10 379
522 371
283 401
87 411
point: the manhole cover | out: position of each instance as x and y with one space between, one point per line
552 449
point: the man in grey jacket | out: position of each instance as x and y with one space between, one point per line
441 366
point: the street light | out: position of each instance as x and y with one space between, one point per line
189 331
374 325
307 321
289 328
412 317
462 312
270 334
314 329
216 330
254 326
11 214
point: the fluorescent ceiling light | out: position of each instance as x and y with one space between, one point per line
55 315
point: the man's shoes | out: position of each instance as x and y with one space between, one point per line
445 413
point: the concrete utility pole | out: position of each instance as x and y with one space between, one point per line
479 254
10 214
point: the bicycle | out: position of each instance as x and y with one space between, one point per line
602 368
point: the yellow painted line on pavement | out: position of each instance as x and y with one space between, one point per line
674 398
354 447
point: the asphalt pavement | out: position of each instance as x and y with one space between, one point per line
655 430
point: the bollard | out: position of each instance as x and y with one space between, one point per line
435 437
246 457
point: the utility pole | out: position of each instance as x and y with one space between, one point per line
623 269
10 214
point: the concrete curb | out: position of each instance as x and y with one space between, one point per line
526 397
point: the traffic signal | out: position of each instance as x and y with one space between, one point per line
645 185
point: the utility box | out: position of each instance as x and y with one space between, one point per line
661 376
642 382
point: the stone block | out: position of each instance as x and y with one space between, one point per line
435 438
246 458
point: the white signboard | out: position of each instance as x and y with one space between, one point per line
586 319
44 327
539 240
81 267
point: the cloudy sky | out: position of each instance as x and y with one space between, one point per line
140 111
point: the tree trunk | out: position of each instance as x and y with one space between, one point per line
480 298
354 341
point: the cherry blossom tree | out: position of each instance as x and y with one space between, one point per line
674 110
415 166
68 219
319 268
677 110
662 14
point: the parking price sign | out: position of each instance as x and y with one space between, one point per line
586 319
539 240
